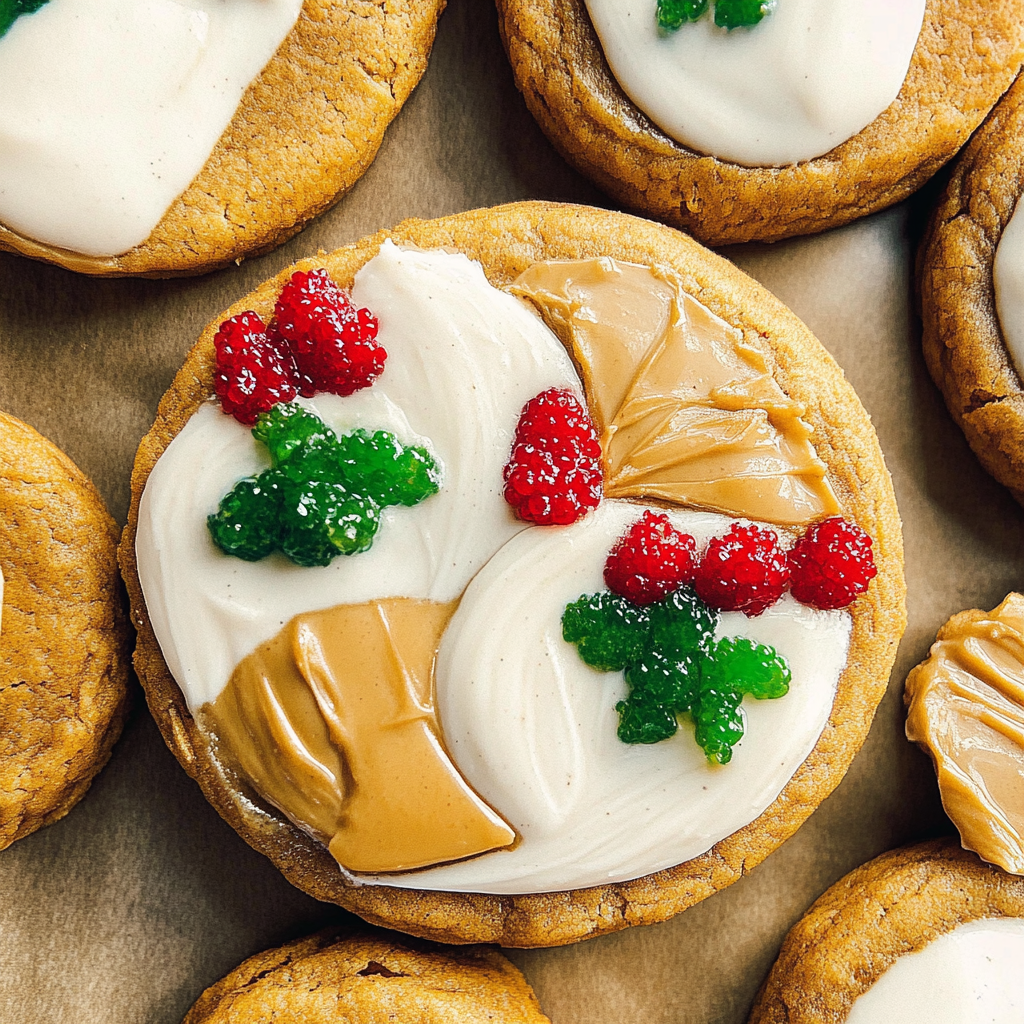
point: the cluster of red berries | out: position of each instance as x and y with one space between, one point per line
553 476
746 570
317 341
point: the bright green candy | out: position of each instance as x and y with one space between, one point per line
11 10
681 623
323 494
609 631
752 668
672 13
741 13
643 720
670 681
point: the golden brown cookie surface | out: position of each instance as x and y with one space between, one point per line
369 978
63 633
506 240
304 133
951 85
855 932
963 343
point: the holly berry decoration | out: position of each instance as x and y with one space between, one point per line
650 560
831 564
317 341
744 571
553 475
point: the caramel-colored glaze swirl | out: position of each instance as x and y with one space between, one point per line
686 410
966 709
333 721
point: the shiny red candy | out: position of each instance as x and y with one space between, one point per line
650 560
744 571
252 373
831 564
553 476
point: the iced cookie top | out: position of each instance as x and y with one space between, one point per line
109 109
807 77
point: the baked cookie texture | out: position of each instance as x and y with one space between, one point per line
963 342
891 906
968 53
341 977
506 240
63 634
305 131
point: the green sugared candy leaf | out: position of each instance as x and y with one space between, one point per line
741 13
323 495
670 681
681 623
750 668
672 13
11 10
643 720
609 631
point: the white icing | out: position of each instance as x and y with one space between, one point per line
532 727
463 359
971 975
810 76
1008 281
109 109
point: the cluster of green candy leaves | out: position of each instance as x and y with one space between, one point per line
323 493
11 10
674 666
728 13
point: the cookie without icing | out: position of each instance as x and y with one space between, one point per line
963 342
369 978
305 131
968 53
506 240
856 931
63 633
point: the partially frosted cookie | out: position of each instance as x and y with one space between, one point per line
369 977
167 138
63 633
740 121
469 581
971 274
921 935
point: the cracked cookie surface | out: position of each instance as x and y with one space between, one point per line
968 53
63 633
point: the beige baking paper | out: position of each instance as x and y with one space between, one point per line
124 911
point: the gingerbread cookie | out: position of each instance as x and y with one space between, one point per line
185 137
968 270
760 151
923 934
366 977
63 634
512 659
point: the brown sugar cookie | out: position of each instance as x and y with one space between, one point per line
306 129
370 977
963 342
892 906
951 85
507 241
63 633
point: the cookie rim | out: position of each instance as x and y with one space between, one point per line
522 233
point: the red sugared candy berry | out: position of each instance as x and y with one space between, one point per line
831 564
650 560
744 571
334 344
553 475
252 373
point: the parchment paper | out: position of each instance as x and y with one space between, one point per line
141 897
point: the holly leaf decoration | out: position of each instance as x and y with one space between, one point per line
672 14
11 10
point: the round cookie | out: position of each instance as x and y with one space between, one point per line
366 978
964 346
306 130
506 240
892 906
63 633
952 83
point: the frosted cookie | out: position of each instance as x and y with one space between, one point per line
971 275
369 977
169 138
63 634
499 562
965 708
923 935
816 115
